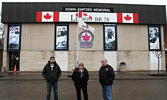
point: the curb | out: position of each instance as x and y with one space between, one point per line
93 79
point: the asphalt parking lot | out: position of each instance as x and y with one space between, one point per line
122 90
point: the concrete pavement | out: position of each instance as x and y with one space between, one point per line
127 86
122 90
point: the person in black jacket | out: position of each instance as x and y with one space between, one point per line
80 77
106 77
52 73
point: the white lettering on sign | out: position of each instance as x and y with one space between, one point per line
51 16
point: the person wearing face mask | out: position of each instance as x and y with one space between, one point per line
52 73
80 77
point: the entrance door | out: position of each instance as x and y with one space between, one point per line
14 60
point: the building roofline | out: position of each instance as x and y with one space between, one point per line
82 3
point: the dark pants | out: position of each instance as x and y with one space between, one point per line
55 88
84 90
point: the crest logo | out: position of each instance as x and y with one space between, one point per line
86 38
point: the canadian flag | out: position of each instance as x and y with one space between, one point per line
127 18
47 16
85 26
81 14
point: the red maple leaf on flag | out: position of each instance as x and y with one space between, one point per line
81 14
86 37
127 17
47 16
90 17
76 14
85 14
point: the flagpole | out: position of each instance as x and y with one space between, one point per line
79 19
77 58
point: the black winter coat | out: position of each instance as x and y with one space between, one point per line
51 76
78 81
106 75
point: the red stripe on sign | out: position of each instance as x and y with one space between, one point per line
135 18
80 13
39 17
119 18
56 17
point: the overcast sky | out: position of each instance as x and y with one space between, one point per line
162 2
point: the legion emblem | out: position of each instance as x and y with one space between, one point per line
86 38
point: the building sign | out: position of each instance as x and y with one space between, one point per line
95 17
127 18
154 37
47 17
86 38
110 37
86 9
14 37
61 37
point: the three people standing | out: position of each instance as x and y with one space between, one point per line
80 76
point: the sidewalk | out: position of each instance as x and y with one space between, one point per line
142 75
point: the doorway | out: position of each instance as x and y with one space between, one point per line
14 59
